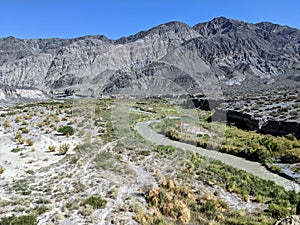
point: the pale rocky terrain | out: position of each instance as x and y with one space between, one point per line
53 186
9 95
283 105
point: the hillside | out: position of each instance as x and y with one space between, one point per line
171 58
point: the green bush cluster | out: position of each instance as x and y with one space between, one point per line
165 150
247 144
249 187
260 147
21 220
66 130
96 201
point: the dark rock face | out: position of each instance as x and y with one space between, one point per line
197 103
298 209
242 120
247 122
281 128
172 58
202 103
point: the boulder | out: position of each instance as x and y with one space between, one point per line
290 220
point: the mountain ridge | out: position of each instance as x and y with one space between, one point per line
226 53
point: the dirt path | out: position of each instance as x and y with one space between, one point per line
254 168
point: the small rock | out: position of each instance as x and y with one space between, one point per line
290 220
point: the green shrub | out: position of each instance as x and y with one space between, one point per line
291 156
275 168
144 152
243 184
277 211
66 130
209 207
96 201
166 150
270 143
74 160
39 210
21 220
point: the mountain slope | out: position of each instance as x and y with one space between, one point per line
171 58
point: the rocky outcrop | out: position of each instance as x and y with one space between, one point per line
202 103
281 128
242 120
248 122
172 58
9 94
290 220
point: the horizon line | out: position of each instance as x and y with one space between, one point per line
163 23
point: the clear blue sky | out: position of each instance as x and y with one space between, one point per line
117 18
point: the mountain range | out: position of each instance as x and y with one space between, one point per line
211 58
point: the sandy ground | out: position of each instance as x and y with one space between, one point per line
31 157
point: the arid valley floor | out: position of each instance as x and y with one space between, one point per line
125 161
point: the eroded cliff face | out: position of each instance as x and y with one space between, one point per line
171 58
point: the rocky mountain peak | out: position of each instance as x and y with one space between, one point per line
174 25
179 29
233 53
221 25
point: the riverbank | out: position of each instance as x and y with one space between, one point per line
251 167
